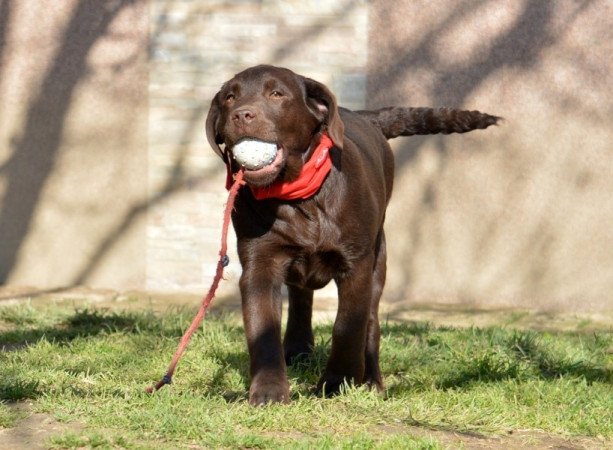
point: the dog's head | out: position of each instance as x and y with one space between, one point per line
274 105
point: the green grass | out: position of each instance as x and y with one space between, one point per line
91 366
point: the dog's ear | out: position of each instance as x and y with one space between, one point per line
322 103
212 120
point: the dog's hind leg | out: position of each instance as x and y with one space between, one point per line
298 340
346 362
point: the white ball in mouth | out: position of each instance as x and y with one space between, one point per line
253 154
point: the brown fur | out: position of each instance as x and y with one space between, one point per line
335 235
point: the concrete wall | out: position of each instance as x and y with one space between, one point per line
106 178
518 215
195 47
73 143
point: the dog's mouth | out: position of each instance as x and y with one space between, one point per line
262 161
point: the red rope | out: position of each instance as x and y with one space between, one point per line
206 300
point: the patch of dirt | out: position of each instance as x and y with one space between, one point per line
522 439
34 431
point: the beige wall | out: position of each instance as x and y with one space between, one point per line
521 214
195 47
73 84
106 178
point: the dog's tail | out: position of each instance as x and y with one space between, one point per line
395 121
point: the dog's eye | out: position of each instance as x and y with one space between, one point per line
276 94
230 97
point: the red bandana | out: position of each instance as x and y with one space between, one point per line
311 177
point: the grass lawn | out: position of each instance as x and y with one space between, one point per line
86 371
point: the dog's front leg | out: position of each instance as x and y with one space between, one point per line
261 302
347 361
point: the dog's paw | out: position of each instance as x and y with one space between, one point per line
264 392
375 383
330 385
372 377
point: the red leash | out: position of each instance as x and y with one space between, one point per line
206 301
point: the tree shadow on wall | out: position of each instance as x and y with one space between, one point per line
176 180
521 46
35 151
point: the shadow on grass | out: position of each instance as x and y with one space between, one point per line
418 356
448 358
305 370
81 324
445 357
93 322
530 349
15 390
230 362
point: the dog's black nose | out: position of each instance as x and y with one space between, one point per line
243 115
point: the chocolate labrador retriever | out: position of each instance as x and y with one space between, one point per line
313 214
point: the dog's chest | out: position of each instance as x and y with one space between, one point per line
318 249
315 270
